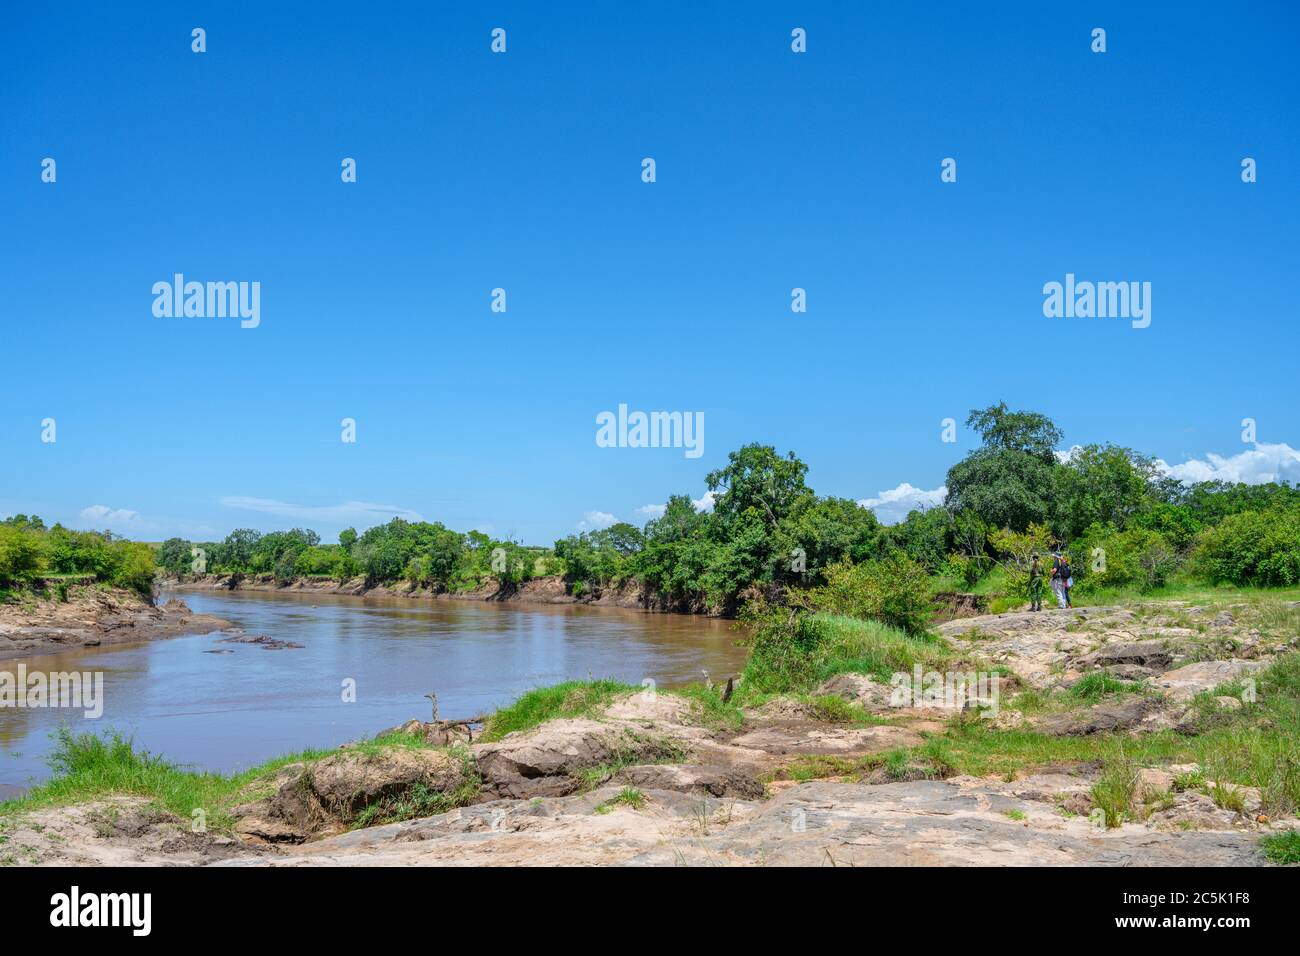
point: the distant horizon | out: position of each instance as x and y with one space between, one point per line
1262 463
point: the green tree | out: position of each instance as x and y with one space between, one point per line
1102 484
820 531
756 479
347 538
20 553
1252 547
174 556
1008 482
1003 430
239 548
626 539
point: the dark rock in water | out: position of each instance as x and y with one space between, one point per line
219 650
266 643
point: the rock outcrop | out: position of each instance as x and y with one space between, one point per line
93 616
957 822
333 793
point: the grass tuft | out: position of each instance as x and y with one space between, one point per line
573 698
628 796
1282 847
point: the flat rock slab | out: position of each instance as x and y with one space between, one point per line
715 781
1186 682
826 739
944 823
1150 654
958 822
1110 716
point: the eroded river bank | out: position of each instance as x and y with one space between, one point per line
364 664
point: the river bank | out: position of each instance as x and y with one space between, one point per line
272 681
92 616
545 590
551 590
1153 734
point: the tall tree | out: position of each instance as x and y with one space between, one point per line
1008 482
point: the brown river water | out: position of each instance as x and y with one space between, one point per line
227 711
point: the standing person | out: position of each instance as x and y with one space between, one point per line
1035 585
1060 577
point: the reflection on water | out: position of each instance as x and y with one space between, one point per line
231 710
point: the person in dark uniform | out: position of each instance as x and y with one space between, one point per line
1035 585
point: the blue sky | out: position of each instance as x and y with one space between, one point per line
522 171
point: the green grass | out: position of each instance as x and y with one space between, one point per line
837 710
570 699
628 796
1190 590
94 766
996 583
1227 797
707 708
1017 815
792 652
900 763
854 646
1282 847
1116 788
590 778
1098 684
1258 746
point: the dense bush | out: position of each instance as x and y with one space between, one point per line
895 590
20 554
326 561
1138 558
1252 547
1016 551
783 648
28 550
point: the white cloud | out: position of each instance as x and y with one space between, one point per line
596 520
892 506
361 513
103 517
1255 466
1064 456
704 503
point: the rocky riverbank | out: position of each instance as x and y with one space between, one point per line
553 589
92 616
1112 745
546 590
